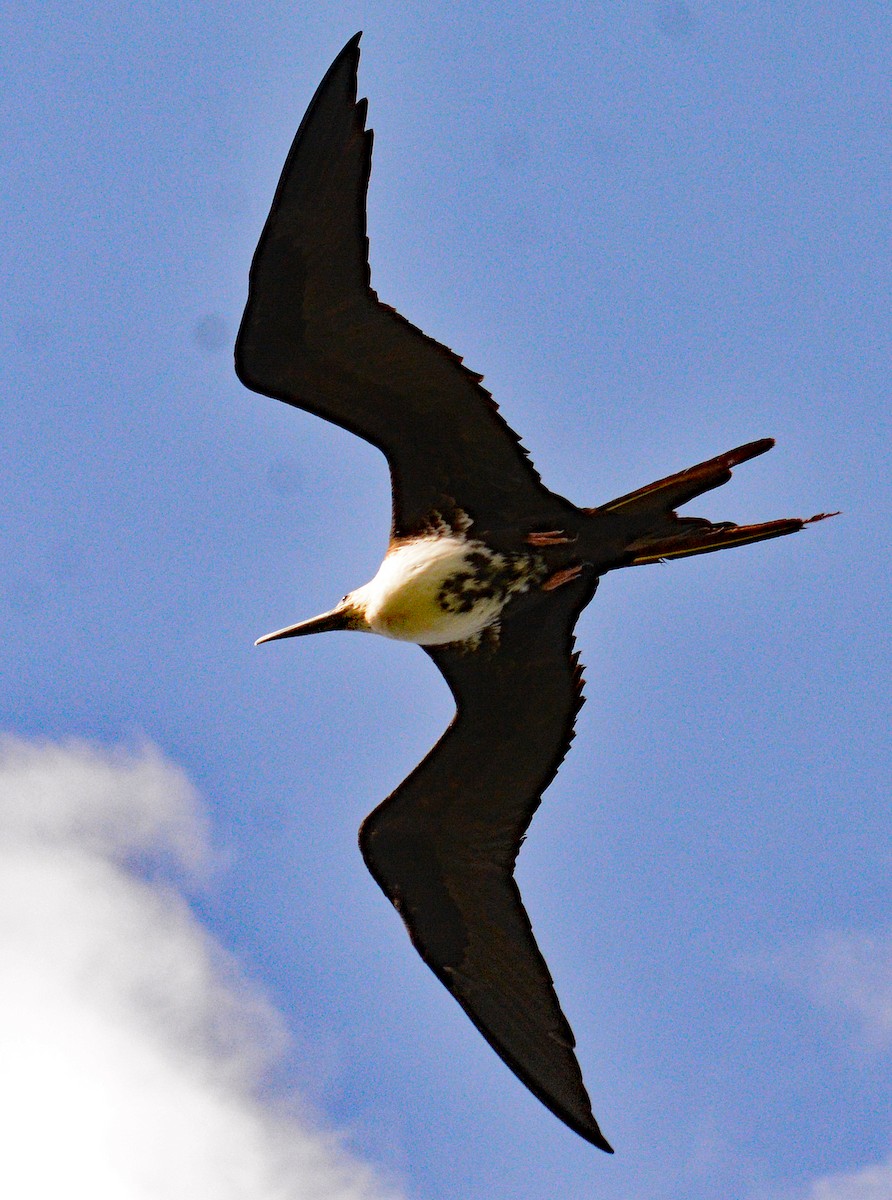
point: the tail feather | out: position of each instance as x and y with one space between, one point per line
656 532
713 537
666 494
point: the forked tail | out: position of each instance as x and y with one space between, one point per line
664 534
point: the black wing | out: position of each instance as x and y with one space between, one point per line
315 335
443 846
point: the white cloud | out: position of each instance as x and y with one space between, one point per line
848 973
869 1183
853 971
133 1052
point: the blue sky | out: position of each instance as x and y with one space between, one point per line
660 230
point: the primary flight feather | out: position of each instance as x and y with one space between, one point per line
486 568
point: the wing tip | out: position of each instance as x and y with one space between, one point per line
586 1127
599 1140
350 47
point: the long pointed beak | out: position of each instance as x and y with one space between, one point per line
338 618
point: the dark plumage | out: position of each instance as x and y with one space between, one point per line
443 846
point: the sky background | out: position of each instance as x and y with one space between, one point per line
660 229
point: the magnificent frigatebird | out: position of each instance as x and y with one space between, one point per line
486 569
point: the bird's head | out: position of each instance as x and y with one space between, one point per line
349 613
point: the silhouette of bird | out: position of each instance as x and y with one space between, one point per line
486 569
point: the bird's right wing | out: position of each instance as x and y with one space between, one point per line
443 846
315 335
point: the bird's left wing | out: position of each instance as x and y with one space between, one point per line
443 845
315 335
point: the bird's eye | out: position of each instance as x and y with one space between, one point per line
343 598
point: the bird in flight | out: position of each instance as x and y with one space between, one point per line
486 569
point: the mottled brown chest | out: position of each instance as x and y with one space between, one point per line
487 576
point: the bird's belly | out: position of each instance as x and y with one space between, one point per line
418 616
436 591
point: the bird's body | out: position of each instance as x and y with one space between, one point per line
486 568
439 588
443 588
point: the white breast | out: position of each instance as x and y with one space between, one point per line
413 596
